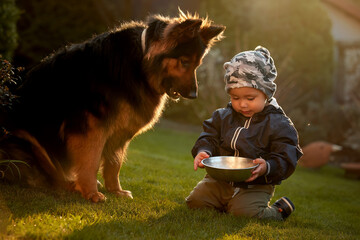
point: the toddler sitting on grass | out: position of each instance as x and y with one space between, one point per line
254 126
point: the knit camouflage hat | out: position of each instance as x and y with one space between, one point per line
254 69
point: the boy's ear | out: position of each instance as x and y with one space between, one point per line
212 33
185 30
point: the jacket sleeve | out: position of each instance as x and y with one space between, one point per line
284 151
210 137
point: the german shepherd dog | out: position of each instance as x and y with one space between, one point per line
79 108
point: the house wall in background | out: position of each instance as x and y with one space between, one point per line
345 18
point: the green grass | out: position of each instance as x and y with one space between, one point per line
160 174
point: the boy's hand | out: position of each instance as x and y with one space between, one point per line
197 160
259 171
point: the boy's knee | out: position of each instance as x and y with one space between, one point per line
192 204
195 201
198 199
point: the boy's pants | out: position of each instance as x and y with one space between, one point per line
251 202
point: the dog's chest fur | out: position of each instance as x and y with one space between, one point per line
130 121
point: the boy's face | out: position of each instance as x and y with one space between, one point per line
247 101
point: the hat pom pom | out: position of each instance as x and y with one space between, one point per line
263 51
227 65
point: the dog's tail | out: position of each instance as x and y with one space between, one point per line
23 160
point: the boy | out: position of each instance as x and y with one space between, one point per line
254 126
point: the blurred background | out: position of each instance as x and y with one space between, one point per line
315 45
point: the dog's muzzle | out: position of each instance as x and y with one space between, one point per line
174 94
175 91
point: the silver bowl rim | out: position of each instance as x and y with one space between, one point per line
231 169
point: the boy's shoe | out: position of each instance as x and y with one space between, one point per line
285 206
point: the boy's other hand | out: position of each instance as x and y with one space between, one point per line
197 160
259 171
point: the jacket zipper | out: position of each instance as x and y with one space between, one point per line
236 136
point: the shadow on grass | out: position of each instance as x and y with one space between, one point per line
183 223
134 219
180 223
35 200
159 212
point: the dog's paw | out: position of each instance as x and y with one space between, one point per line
123 193
96 197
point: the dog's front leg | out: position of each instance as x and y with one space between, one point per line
111 169
85 151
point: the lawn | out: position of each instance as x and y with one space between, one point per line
159 172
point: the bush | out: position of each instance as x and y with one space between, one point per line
8 35
9 77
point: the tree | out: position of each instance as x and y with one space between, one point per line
46 25
298 36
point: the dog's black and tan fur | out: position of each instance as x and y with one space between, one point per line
80 107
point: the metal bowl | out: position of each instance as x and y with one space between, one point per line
230 169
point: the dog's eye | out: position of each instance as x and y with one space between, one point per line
185 63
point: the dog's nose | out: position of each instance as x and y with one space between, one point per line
193 94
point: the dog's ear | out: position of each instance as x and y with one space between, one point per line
209 34
185 30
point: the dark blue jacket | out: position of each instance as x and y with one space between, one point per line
269 134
